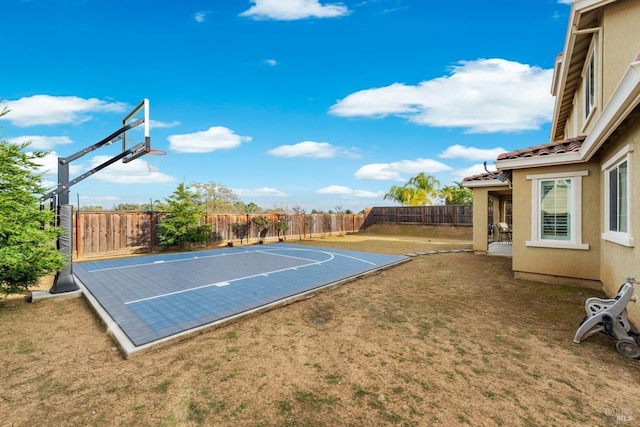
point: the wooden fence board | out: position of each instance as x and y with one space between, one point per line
457 215
104 233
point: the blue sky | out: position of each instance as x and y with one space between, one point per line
290 103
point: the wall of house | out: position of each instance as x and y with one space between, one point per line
480 217
618 261
553 264
621 43
616 47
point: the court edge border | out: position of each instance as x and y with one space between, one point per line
128 348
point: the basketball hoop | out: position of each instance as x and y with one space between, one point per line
153 163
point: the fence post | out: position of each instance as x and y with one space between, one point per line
78 236
152 231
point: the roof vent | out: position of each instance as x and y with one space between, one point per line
502 177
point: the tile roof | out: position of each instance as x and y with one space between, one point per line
558 147
481 177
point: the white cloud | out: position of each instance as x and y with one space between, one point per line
48 165
200 16
259 192
393 171
318 150
289 10
135 172
476 169
271 62
41 142
156 124
48 185
212 139
56 110
483 96
349 193
471 153
565 1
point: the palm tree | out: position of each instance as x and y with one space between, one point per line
425 187
397 194
418 191
456 194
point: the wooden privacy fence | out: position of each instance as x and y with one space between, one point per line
112 233
109 233
457 215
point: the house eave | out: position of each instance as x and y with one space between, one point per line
485 183
625 98
582 6
563 88
532 162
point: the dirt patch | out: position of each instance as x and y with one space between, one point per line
427 232
449 339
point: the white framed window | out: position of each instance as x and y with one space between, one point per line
590 85
617 198
556 210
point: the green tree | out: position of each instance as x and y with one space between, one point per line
127 207
91 208
418 191
425 189
216 198
277 210
398 194
262 224
456 194
251 208
154 206
281 226
182 223
27 248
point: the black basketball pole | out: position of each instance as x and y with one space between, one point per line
65 280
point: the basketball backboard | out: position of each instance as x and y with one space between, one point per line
139 143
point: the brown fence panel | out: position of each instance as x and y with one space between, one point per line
101 233
422 215
107 233
111 233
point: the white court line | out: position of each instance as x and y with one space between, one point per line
331 254
225 283
203 257
167 261
228 282
268 252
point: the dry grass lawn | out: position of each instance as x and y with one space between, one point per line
448 339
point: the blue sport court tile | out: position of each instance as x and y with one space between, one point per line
154 297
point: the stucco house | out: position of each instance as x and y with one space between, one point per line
576 200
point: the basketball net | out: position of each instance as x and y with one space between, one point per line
154 159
